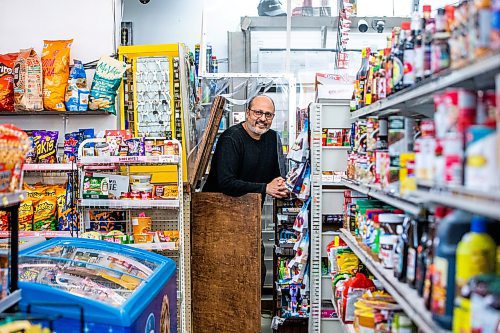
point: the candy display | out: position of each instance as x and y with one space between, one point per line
55 66
28 81
7 81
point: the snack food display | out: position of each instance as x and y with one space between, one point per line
55 66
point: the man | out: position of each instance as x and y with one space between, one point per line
247 158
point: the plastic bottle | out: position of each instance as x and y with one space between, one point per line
401 249
361 77
408 55
476 255
448 234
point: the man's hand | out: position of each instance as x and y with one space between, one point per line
276 188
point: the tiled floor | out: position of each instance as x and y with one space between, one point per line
265 323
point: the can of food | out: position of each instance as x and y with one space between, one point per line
388 237
481 171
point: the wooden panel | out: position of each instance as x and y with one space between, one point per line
225 265
204 150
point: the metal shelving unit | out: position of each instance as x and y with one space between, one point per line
406 297
477 74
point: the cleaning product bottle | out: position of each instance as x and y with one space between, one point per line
476 254
448 234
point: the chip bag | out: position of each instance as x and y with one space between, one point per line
45 214
35 193
45 146
4 221
107 79
77 93
7 81
28 81
55 65
26 215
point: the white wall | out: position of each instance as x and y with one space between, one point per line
90 23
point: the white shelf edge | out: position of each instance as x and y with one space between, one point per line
130 204
129 160
407 298
154 246
50 167
10 300
329 319
11 198
480 66
336 147
46 234
408 205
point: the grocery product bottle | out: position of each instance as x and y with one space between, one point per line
398 61
429 28
448 234
401 249
408 55
440 58
422 254
413 242
476 255
361 77
417 27
369 81
482 22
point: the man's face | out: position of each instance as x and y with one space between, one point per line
260 115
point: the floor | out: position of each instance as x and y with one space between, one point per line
265 323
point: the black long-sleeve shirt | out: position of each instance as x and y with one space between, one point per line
241 164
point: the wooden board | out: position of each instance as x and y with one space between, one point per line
225 274
207 142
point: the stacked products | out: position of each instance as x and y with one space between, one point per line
447 257
33 83
458 147
426 46
335 137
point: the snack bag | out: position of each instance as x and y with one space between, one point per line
107 79
55 66
77 93
7 81
45 214
71 143
35 193
45 146
28 81
26 215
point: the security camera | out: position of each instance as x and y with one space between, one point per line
144 2
379 26
362 26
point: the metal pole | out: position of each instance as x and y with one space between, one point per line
288 34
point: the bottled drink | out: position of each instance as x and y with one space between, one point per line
429 29
362 75
408 55
398 67
417 27
401 249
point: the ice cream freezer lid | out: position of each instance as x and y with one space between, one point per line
110 281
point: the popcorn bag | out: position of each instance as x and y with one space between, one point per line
28 82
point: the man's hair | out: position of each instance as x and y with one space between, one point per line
250 102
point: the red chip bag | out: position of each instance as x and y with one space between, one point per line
7 81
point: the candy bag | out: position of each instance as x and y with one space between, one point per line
45 146
77 93
55 66
107 79
7 81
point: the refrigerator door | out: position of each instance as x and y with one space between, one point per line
78 278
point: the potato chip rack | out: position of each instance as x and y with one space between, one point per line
166 213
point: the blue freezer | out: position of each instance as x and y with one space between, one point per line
119 288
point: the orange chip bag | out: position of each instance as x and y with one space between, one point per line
26 215
35 193
55 66
7 81
45 214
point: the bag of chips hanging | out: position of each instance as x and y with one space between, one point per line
107 78
28 81
55 66
7 81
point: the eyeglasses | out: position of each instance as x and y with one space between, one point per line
259 113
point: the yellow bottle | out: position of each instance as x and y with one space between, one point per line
476 255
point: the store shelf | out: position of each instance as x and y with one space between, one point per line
166 246
10 300
53 113
46 234
11 199
129 204
411 204
485 204
329 319
50 167
481 71
129 160
407 298
336 147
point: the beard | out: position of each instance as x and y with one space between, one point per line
258 130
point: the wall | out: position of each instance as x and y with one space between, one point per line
91 23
